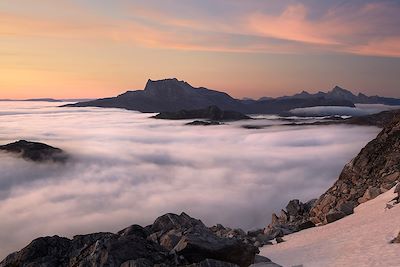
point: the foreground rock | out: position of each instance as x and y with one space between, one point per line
295 218
375 170
34 151
212 113
172 240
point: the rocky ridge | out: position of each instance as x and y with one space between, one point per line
172 240
375 170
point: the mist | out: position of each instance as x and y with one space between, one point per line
126 168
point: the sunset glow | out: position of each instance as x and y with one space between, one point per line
65 49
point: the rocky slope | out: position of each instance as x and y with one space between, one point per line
35 151
172 95
375 170
172 240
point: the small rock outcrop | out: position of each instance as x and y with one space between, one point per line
295 218
212 113
35 151
172 240
396 239
375 170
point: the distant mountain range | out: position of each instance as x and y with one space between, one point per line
171 95
339 93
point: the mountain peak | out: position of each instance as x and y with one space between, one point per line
339 89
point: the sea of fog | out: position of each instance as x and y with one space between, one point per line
127 168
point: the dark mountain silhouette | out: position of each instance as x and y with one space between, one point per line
338 93
173 95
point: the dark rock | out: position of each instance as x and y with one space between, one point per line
171 221
34 151
172 240
397 239
212 263
334 215
295 207
204 123
259 259
199 244
212 113
136 230
45 251
279 240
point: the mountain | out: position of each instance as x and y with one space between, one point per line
338 93
173 95
166 95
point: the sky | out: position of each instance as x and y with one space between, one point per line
252 48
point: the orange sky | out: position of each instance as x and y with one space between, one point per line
74 49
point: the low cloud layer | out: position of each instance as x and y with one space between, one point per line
127 168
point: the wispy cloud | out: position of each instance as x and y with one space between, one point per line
366 28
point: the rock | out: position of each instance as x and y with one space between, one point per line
260 259
136 230
45 251
171 221
370 193
397 239
347 207
295 207
279 240
212 263
34 151
172 240
265 264
138 263
204 123
199 244
212 113
334 215
375 167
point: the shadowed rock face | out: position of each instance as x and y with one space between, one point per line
375 170
172 240
212 113
34 151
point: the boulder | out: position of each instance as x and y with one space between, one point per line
199 244
212 263
334 215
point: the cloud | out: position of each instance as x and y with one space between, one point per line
364 28
127 168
